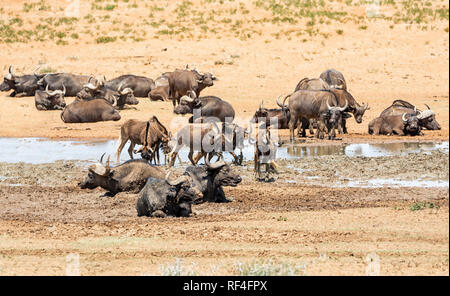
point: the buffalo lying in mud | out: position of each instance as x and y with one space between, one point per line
50 100
140 85
181 82
129 176
401 125
161 198
426 118
210 179
80 111
209 106
25 85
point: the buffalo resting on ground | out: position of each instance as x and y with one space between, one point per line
209 106
426 118
80 111
50 100
401 125
129 176
25 85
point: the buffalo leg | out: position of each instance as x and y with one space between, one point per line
159 214
292 126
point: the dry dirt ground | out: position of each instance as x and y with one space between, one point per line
402 54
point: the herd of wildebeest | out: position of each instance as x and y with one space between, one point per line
320 105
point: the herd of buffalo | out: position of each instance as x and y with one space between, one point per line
320 105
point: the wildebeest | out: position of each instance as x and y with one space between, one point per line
151 134
89 111
401 125
198 137
50 100
117 98
210 179
25 85
181 82
426 118
265 151
232 138
140 85
161 90
209 106
311 104
334 79
73 83
161 198
129 176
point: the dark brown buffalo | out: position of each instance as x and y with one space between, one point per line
140 85
162 198
73 83
117 98
426 118
181 82
25 85
50 100
129 176
210 178
320 105
161 90
89 111
401 125
334 79
207 107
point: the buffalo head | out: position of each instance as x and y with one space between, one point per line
427 119
187 104
334 114
99 175
412 125
9 81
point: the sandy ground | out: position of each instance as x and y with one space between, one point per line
321 230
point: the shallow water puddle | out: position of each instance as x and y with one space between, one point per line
39 150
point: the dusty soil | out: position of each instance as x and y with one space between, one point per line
323 230
320 230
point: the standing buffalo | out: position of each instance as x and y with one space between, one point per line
334 79
129 176
209 106
310 104
426 118
89 111
50 100
341 94
140 85
181 82
161 198
25 85
73 83
402 125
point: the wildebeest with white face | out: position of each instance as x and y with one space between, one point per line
129 176
426 118
50 100
401 125
25 85
80 111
